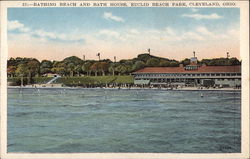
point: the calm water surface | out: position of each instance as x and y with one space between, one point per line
98 120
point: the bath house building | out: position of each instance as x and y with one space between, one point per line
190 75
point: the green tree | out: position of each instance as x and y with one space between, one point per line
46 66
234 61
78 69
185 62
174 63
152 62
122 69
103 66
94 68
59 67
111 68
164 63
22 71
70 69
86 68
138 65
73 59
33 69
11 70
129 66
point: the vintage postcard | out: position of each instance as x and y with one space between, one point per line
124 79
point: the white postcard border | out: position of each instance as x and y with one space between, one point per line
244 53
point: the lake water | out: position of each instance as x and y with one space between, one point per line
100 120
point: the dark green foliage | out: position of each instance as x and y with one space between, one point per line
46 66
152 62
221 62
16 81
185 62
73 66
174 63
138 65
73 59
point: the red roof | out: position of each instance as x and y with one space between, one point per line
201 69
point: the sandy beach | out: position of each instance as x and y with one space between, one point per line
58 86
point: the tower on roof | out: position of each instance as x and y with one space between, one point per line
193 60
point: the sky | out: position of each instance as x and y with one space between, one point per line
174 33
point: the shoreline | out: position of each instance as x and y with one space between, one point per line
126 88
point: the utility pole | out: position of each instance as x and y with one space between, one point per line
149 51
228 55
115 58
83 57
98 54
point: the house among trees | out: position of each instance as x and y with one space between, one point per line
50 75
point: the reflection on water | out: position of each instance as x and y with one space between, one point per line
100 120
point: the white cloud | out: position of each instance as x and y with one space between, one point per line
203 16
110 33
234 32
169 31
227 34
16 25
110 16
194 10
132 36
129 41
134 31
192 36
41 34
204 31
122 40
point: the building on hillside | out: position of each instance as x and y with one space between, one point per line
50 75
190 75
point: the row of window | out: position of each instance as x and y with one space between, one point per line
168 80
189 74
191 67
230 79
181 80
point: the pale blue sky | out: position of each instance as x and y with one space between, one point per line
91 19
80 25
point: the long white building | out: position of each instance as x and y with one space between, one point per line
190 75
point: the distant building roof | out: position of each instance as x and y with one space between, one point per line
201 69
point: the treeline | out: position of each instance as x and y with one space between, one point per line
74 66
